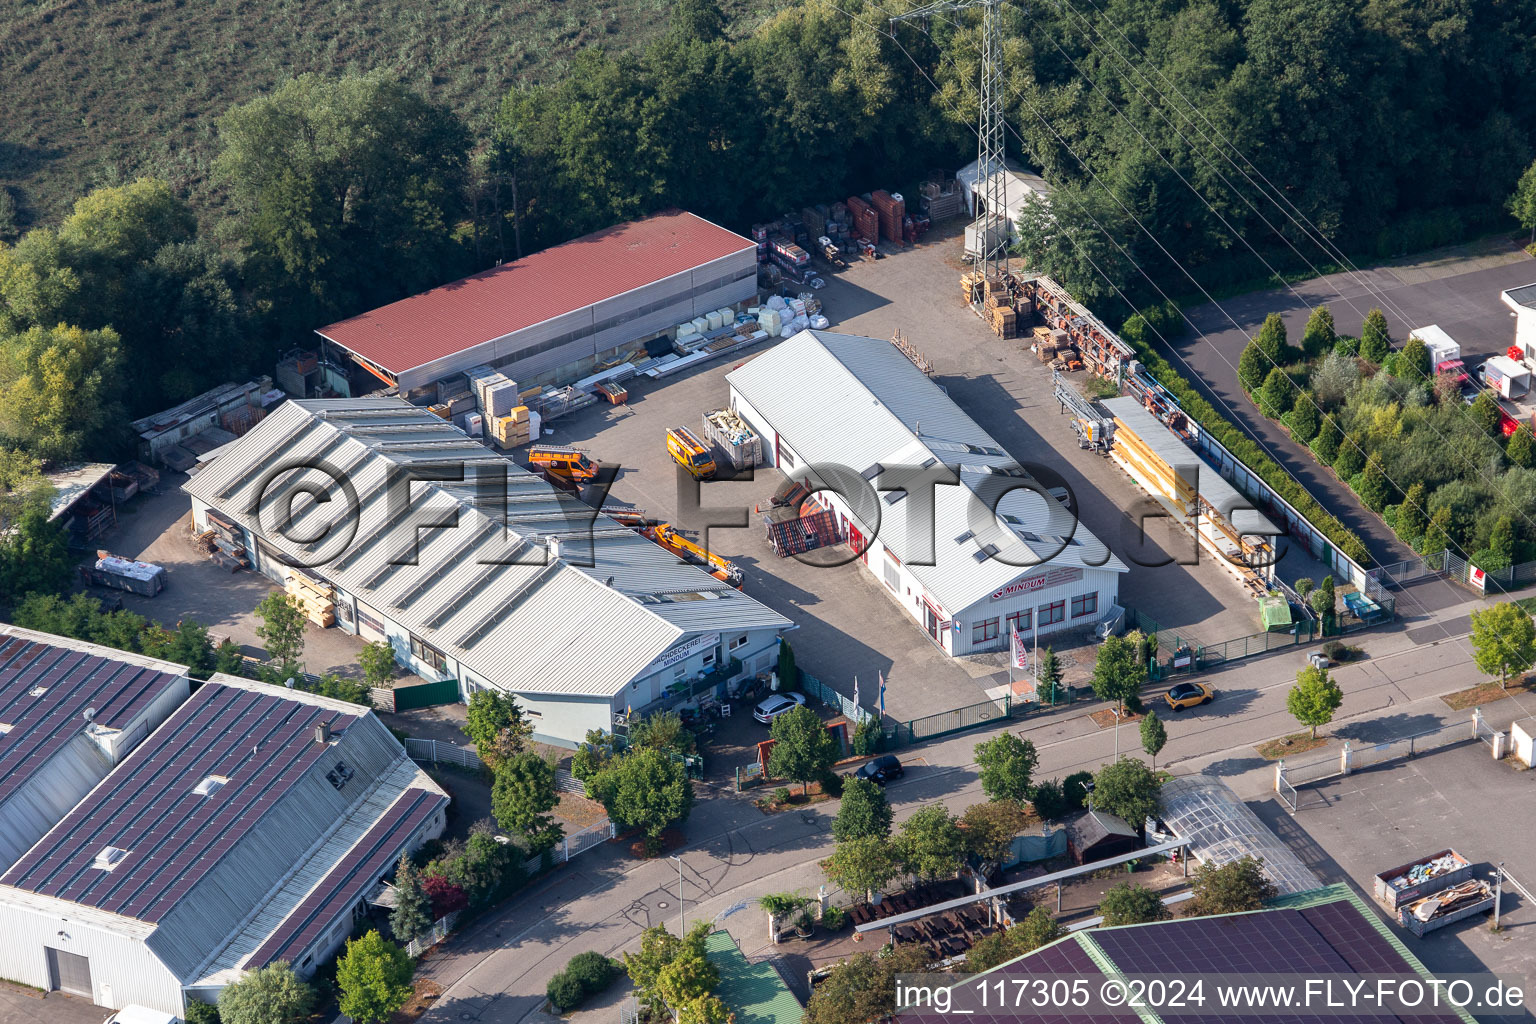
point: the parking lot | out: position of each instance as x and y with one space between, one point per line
1351 828
847 625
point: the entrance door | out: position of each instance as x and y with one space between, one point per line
856 541
931 622
69 973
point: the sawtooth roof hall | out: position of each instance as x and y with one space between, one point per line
244 829
540 597
821 397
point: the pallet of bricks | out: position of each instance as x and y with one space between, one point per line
1001 316
224 543
315 599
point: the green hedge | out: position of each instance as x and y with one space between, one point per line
1250 454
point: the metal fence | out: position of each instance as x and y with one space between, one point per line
565 782
443 753
440 929
826 695
586 839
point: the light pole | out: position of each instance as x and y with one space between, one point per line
682 915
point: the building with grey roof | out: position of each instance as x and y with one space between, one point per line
480 571
69 712
246 829
999 552
1523 301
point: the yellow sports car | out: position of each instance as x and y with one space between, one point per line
1188 695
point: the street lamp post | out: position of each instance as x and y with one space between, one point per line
682 915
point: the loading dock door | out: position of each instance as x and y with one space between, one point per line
69 973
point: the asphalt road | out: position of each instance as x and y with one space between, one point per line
1456 289
497 972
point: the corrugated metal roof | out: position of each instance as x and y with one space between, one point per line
1215 490
754 992
858 402
71 484
202 866
483 592
536 288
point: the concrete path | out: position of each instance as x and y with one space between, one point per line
497 970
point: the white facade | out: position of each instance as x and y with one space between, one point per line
1523 301
822 398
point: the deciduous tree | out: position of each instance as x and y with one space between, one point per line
282 630
495 724
1522 202
1128 789
862 865
644 789
803 748
1153 736
1232 888
863 811
377 660
523 792
1503 640
1007 765
930 844
1117 674
1129 903
268 995
862 988
374 979
1314 698
989 828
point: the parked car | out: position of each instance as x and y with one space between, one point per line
777 704
882 769
1188 695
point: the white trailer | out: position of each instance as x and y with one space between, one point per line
1440 345
1509 378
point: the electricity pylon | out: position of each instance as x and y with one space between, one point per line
992 183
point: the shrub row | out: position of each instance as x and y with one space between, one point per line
585 976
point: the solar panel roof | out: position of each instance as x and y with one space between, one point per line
46 688
148 806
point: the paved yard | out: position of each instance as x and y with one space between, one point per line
158 528
18 1006
1350 829
848 626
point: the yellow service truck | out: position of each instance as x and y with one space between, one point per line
690 453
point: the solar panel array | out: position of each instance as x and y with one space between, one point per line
148 805
345 883
71 681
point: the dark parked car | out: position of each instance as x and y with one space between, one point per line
882 769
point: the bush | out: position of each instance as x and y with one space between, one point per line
1073 794
781 795
1334 650
1048 800
833 918
832 784
585 976
199 1012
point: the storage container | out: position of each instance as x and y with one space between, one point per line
1408 882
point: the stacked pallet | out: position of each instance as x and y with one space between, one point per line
892 211
513 430
801 534
1002 319
866 222
315 599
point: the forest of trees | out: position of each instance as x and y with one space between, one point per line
1391 124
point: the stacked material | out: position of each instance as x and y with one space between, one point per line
731 436
1002 319
941 200
513 430
553 402
440 410
892 211
786 250
225 543
315 599
1396 887
495 393
866 222
800 534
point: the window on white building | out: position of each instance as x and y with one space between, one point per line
892 576
983 631
429 655
739 642
1085 604
1021 621
1053 613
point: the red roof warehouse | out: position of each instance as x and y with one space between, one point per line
558 308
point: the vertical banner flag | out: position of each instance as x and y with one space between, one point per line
1020 652
881 676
